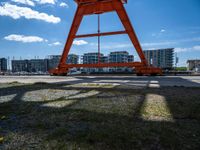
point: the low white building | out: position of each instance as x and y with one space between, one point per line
193 65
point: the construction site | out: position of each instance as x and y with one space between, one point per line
114 102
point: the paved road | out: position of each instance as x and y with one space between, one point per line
186 81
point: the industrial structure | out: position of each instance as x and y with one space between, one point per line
163 58
98 7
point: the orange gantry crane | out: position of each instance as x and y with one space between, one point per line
97 7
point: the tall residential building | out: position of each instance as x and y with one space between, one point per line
163 58
193 65
3 64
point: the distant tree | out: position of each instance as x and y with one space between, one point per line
181 69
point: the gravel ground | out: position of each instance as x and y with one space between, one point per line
163 81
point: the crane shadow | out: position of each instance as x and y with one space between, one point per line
99 117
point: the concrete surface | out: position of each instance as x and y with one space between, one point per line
163 81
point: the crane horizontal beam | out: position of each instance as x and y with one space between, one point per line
100 65
101 34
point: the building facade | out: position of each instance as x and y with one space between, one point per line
3 64
19 65
41 65
53 61
193 65
120 57
38 65
163 58
72 59
33 65
92 58
113 57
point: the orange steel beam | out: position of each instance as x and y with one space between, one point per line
91 7
72 33
101 34
100 65
100 7
82 10
129 29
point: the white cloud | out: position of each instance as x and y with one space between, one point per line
171 42
196 39
80 42
158 44
46 1
197 47
24 39
64 5
190 49
179 50
26 2
162 30
55 44
31 2
17 12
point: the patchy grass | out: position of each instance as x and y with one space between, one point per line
94 85
97 117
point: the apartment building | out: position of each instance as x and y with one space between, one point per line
163 58
38 65
120 57
113 57
3 64
92 58
41 65
19 65
53 61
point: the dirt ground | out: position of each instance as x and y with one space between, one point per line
98 116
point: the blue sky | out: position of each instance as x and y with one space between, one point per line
30 28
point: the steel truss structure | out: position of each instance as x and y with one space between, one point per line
97 7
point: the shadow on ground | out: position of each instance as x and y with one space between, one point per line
98 117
